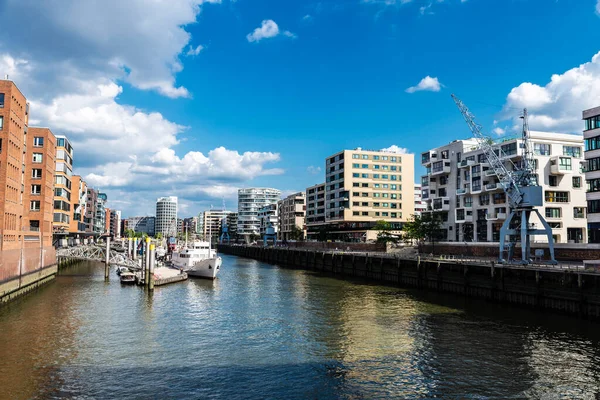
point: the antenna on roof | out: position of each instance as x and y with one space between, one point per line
6 77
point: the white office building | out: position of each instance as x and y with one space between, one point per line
463 188
166 216
420 205
250 201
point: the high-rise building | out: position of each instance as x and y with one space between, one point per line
38 196
232 219
79 201
591 134
251 200
190 225
100 225
62 185
91 198
420 205
291 215
365 186
115 224
213 220
166 216
200 225
315 210
140 225
461 185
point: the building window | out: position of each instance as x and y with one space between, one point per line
355 156
355 184
365 204
384 158
365 213
375 166
468 201
552 180
355 165
394 177
365 185
384 214
365 195
375 158
355 213
393 168
593 206
565 164
576 182
385 195
394 196
572 151
38 141
553 212
35 205
365 156
1 100
36 173
541 149
37 157
593 185
394 215
556 197
592 143
384 176
36 189
592 123
1 121
393 159
366 176
376 205
356 175
578 212
375 176
376 194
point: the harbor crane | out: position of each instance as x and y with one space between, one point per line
521 188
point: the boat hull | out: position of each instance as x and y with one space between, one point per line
206 269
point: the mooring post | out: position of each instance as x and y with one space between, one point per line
107 259
129 247
147 267
151 270
135 243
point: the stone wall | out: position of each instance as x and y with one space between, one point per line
20 269
572 292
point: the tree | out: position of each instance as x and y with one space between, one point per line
385 235
297 233
158 236
424 227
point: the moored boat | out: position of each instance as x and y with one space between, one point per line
127 278
197 260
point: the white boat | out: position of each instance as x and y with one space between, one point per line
197 260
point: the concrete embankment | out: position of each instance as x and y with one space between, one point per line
568 291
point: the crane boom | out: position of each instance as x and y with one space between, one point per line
507 178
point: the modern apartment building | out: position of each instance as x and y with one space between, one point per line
463 188
591 135
420 205
190 225
292 211
232 220
79 203
268 216
140 224
166 216
62 185
212 223
101 227
39 182
115 223
364 186
250 201
315 210
91 198
200 224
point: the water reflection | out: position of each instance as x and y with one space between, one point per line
261 331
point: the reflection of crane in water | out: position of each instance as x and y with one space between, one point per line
520 186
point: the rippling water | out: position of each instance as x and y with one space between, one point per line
264 332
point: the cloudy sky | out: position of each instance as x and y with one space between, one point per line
197 98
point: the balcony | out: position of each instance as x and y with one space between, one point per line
460 192
489 172
462 217
476 189
441 204
445 169
466 163
428 157
495 216
560 165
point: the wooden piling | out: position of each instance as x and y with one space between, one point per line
151 269
147 266
107 259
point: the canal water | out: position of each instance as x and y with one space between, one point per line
261 331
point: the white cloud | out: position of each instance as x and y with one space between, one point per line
72 74
268 29
313 170
139 43
428 83
395 149
194 51
499 131
598 7
557 105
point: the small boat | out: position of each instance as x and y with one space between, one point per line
197 260
121 269
127 278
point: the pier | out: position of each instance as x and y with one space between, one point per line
572 290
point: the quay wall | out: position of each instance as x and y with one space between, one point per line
562 251
566 291
22 270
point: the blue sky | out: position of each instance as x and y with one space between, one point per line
335 76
